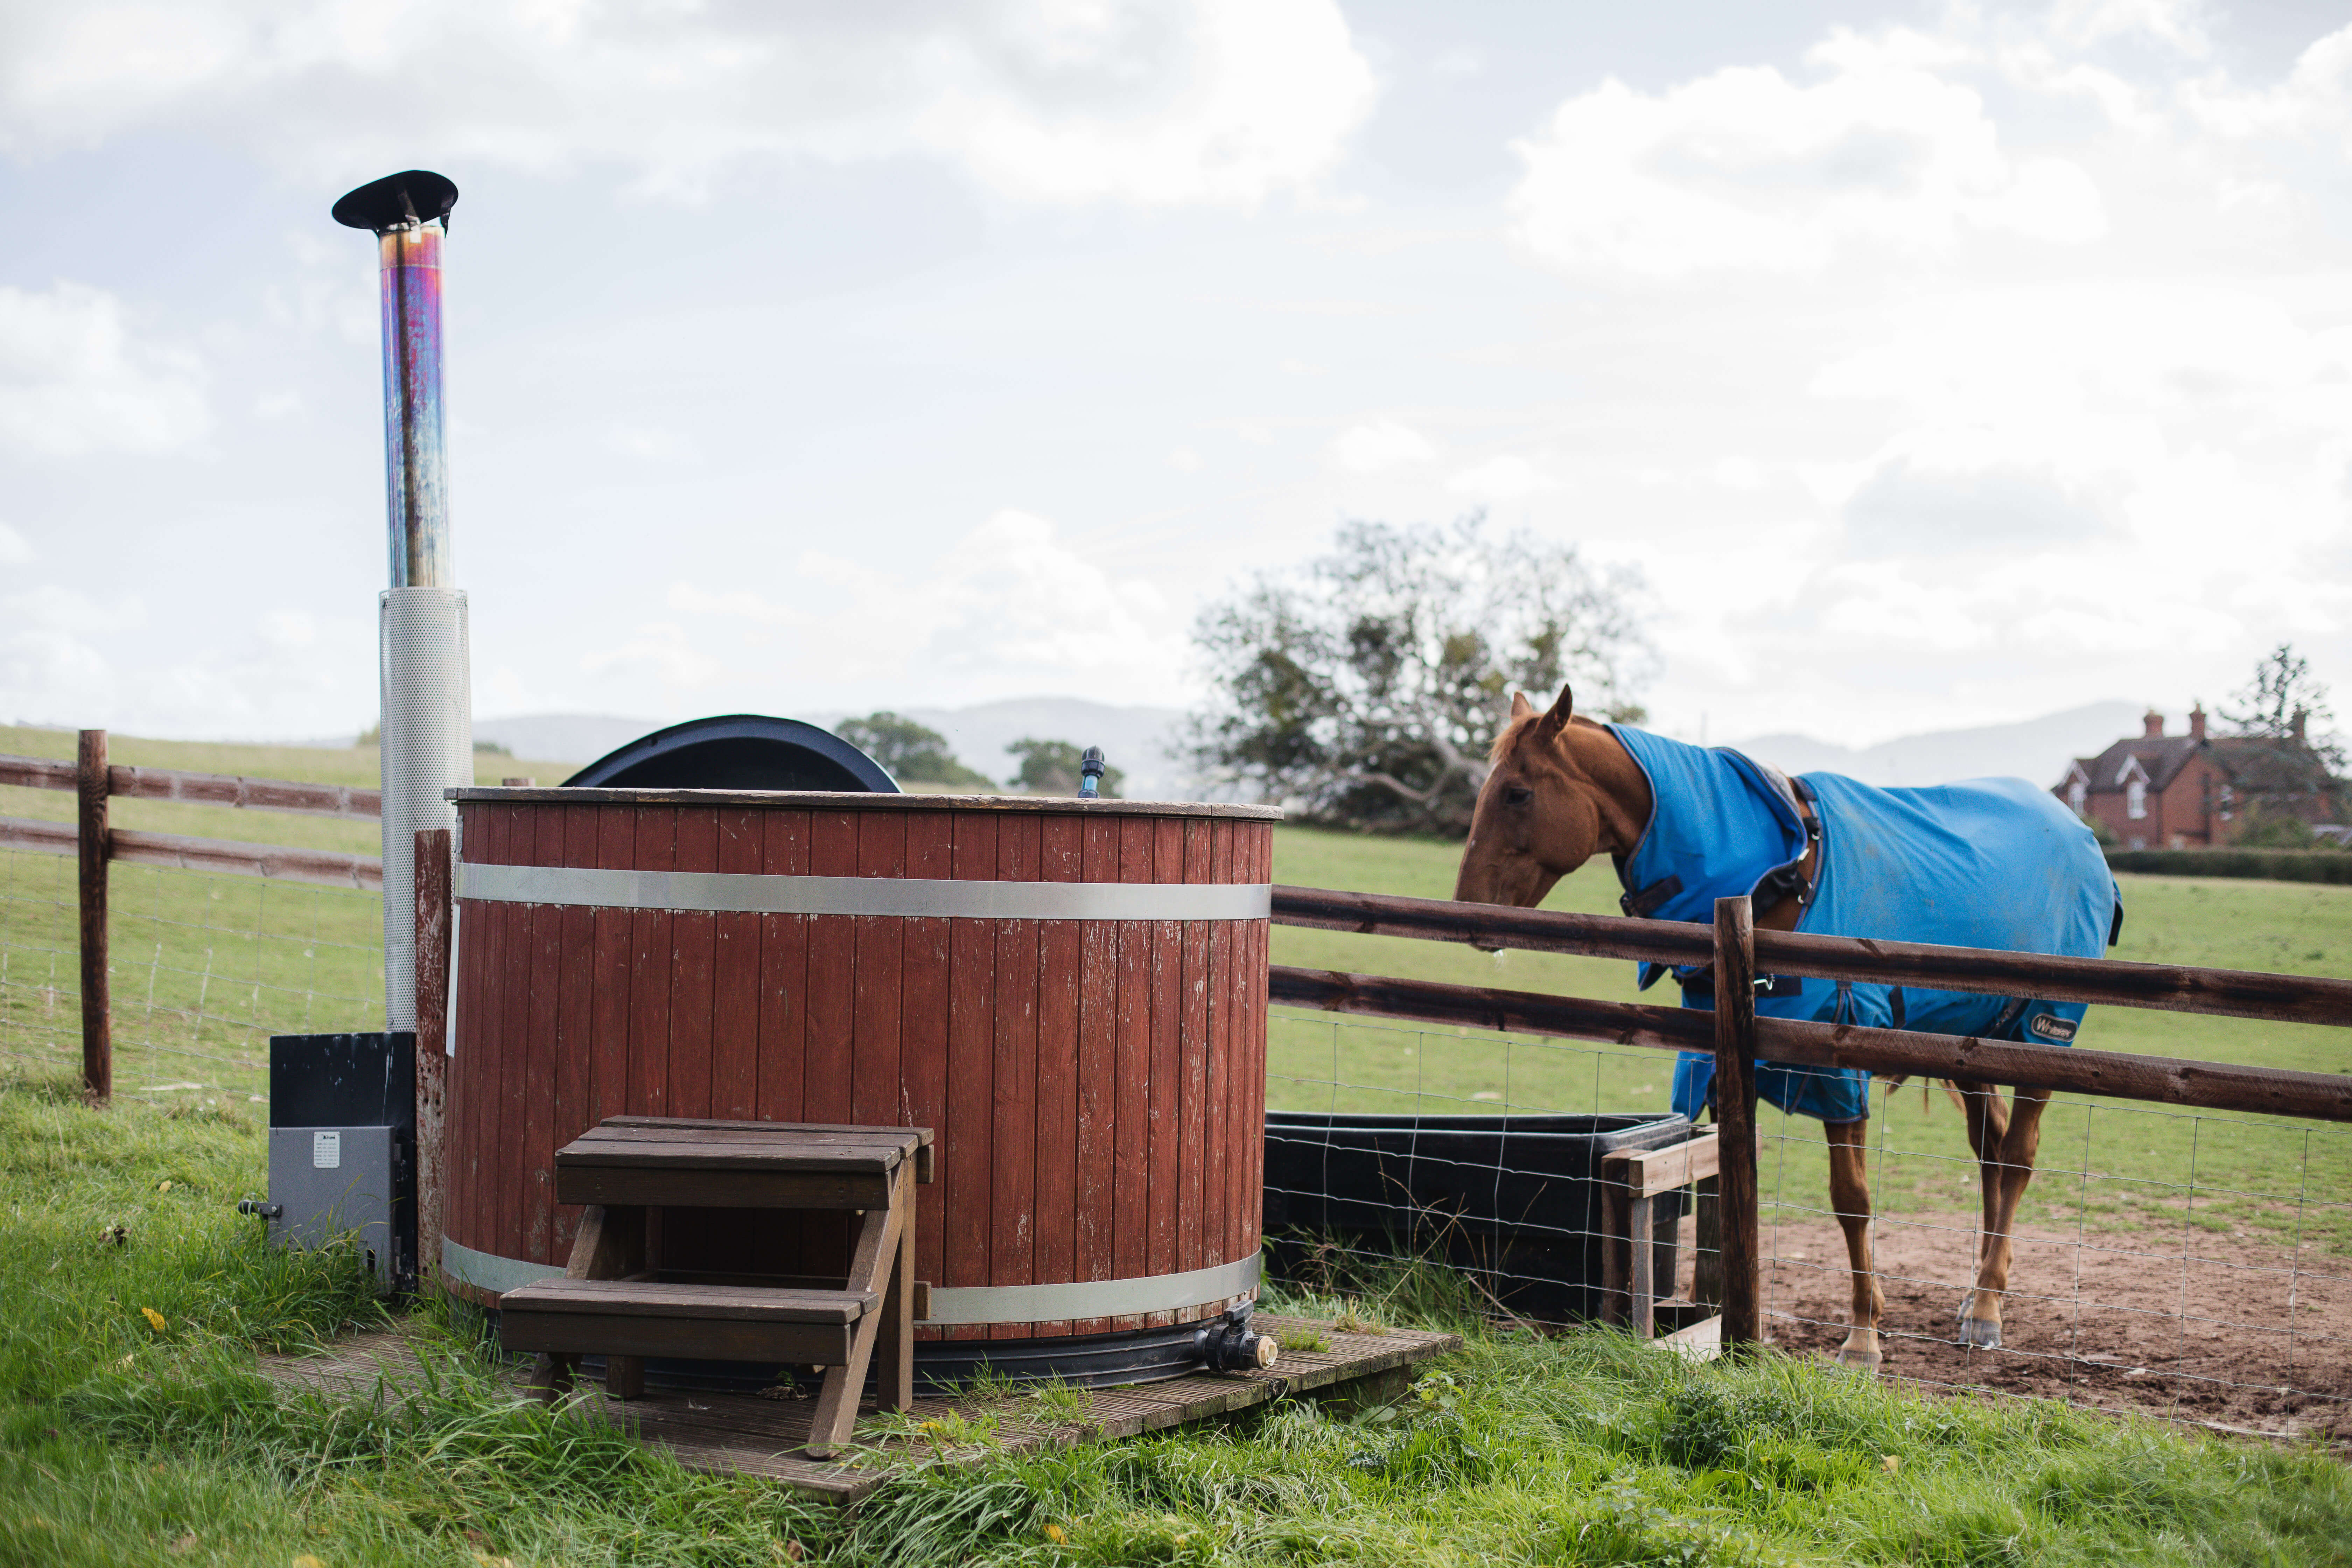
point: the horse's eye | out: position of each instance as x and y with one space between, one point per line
1518 794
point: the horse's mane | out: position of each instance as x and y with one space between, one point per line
1509 736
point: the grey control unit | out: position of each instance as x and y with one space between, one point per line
343 1139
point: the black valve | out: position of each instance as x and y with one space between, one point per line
1090 772
1227 1344
255 1206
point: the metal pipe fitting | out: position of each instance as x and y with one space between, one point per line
1227 1344
1090 772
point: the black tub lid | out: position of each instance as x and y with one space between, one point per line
850 800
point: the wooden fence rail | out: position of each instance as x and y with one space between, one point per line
201 789
1895 1053
1734 953
96 844
2290 998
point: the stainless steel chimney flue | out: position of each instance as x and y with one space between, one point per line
427 732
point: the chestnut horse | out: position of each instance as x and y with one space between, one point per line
1991 863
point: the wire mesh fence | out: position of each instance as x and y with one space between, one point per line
2194 1266
203 971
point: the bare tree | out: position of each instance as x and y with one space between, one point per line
2282 702
1364 688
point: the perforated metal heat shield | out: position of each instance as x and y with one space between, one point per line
429 747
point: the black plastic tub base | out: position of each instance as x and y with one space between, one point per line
949 1366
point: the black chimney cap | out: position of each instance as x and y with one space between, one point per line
413 196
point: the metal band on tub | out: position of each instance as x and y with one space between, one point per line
962 1304
908 896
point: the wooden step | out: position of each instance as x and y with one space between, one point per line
766 1130
660 1318
664 1163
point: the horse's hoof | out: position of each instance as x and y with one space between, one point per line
1860 1361
1980 1333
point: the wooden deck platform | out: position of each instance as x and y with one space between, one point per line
751 1433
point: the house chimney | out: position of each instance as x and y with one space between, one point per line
2152 726
2294 726
2197 722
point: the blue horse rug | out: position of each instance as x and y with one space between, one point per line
1991 863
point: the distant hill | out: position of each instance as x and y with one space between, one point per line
1136 740
2035 749
1142 740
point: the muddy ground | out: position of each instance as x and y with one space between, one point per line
2212 1328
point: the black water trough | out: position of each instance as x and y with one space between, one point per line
1514 1200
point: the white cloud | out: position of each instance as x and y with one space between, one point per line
1381 445
1745 170
663 649
2315 97
1184 461
75 379
649 444
15 549
1505 477
1008 605
1210 101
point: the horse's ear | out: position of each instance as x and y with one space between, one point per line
1556 719
1521 705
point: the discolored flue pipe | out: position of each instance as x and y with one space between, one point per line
409 214
427 732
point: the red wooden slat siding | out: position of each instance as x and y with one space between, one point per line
783 973
1062 846
1097 1087
1193 1089
1012 1235
966 1144
575 1015
1248 1132
514 1077
1097 1070
1217 1217
926 978
461 1161
489 1106
735 980
874 1099
650 980
783 1014
1167 1019
1131 1158
543 831
827 1084
694 936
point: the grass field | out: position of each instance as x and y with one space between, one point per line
204 969
131 1438
134 1430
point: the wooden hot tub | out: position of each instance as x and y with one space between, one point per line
1071 992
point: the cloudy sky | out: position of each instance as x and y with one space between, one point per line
1936 365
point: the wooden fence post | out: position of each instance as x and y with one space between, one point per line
1734 1113
433 943
90 843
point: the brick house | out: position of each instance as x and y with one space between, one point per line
2192 791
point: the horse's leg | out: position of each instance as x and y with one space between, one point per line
2005 1180
1987 1118
1849 1144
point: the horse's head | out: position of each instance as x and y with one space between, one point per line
1562 789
